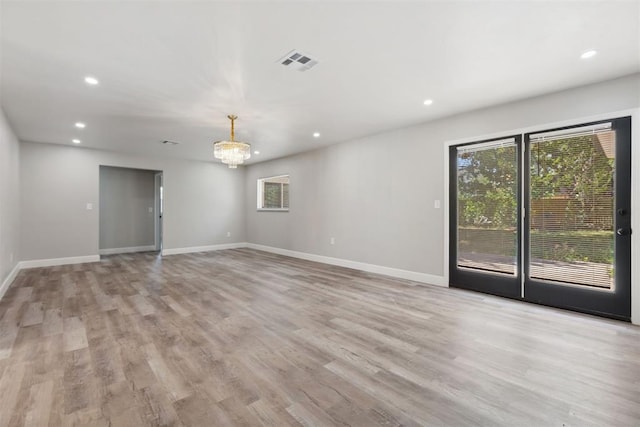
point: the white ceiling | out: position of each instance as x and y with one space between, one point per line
175 69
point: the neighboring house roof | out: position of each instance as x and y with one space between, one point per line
607 142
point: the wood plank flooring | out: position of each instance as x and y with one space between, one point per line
243 337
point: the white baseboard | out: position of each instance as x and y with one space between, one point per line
192 249
9 280
113 251
34 263
371 268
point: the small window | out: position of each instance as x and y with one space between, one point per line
273 193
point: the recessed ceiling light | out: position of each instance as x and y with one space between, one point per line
256 152
428 101
76 141
588 54
316 134
80 125
91 80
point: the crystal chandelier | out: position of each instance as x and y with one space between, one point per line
232 153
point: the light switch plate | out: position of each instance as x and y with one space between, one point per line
89 206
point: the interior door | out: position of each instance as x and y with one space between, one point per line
545 218
578 227
484 223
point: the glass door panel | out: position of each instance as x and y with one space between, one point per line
487 206
571 194
486 181
578 200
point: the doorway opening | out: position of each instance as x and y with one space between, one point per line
131 206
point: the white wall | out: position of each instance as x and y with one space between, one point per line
9 201
378 209
376 195
127 208
203 201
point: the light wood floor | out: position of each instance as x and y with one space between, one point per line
242 337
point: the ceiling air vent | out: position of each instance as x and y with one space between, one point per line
298 60
167 142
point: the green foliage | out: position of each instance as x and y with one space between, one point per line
587 246
578 169
567 246
574 168
487 186
571 188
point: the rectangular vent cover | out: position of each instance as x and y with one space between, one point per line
298 60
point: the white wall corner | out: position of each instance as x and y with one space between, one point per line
35 263
192 249
9 280
415 276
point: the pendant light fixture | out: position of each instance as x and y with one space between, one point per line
232 153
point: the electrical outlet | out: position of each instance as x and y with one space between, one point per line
332 240
436 204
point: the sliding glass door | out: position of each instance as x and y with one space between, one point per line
563 237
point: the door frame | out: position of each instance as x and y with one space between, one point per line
635 184
158 211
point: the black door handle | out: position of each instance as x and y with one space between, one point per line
623 231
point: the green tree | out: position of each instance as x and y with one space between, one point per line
487 187
578 169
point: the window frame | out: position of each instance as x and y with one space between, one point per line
260 193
